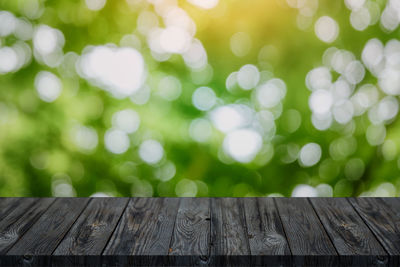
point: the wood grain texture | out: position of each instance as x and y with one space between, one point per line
7 204
192 232
349 234
200 231
308 241
93 228
229 242
19 220
393 204
383 218
43 237
145 229
265 232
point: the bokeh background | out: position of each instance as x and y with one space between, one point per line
199 98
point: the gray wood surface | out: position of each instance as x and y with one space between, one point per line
145 229
44 236
350 236
192 232
90 233
383 218
265 231
199 231
308 241
8 204
229 242
20 219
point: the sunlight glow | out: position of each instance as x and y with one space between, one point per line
121 71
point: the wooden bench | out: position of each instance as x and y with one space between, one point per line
199 231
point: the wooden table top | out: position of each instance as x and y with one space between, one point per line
199 231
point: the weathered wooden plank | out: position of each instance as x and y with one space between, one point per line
145 230
138 216
352 239
93 228
192 232
308 241
229 242
383 218
7 204
19 220
164 231
393 204
43 237
267 239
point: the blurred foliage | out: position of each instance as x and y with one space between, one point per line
54 144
